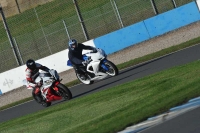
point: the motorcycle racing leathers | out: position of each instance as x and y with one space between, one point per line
76 57
31 75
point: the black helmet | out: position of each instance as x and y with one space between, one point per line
73 44
31 64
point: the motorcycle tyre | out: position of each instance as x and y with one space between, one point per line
114 68
66 91
43 103
87 82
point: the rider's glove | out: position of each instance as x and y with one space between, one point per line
38 84
50 71
94 50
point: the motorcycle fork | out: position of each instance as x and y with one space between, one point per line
104 66
55 86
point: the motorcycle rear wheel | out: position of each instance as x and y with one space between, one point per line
87 81
64 92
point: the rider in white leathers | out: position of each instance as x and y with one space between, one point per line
32 71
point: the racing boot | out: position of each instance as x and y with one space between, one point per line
37 95
83 77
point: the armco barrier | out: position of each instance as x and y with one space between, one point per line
122 38
172 20
149 28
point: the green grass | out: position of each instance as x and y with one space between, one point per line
113 109
58 10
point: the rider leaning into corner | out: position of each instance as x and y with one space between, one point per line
76 57
32 71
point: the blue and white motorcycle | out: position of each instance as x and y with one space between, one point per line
98 67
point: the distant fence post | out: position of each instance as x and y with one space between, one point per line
9 37
81 20
66 29
20 56
117 13
174 3
154 7
18 6
42 31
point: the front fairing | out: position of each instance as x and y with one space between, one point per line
99 55
95 60
46 79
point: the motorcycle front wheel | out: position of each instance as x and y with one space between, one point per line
41 101
45 103
64 92
112 69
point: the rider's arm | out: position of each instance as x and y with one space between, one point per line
29 79
86 47
44 68
28 75
41 67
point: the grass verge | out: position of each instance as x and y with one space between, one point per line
113 109
127 64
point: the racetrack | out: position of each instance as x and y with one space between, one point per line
150 46
135 72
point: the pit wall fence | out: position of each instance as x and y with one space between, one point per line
112 42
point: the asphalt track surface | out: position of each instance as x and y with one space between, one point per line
186 123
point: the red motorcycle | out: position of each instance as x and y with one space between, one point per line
51 89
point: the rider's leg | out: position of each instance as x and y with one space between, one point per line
80 69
